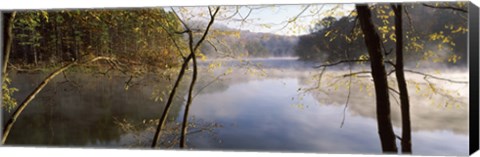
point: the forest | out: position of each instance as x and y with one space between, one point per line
378 78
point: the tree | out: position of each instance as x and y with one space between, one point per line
406 140
192 56
372 41
8 102
393 35
8 37
66 43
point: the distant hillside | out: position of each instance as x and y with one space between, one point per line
228 42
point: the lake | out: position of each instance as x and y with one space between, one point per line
260 105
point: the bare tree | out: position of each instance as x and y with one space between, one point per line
191 57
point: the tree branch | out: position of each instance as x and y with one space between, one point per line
349 92
390 88
391 63
356 73
37 90
445 7
436 77
194 77
342 61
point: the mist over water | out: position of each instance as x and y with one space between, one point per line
263 104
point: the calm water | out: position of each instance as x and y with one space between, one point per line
274 112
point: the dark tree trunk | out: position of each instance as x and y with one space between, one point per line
7 39
35 55
402 85
372 41
171 96
55 29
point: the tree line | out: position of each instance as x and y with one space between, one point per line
234 43
431 35
46 38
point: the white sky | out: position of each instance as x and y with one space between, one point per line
270 19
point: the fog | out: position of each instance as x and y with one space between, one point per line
435 104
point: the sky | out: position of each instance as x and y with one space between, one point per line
277 19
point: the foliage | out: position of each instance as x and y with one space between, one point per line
8 102
134 36
431 36
330 39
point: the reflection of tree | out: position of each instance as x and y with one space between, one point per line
65 114
430 112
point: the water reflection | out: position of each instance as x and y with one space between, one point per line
261 113
274 122
67 115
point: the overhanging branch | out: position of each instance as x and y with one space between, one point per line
435 77
445 7
340 62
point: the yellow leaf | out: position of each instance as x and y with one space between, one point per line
393 37
391 13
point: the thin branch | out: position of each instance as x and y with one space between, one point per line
356 73
409 18
68 80
396 100
208 84
183 32
349 92
390 72
394 90
436 77
237 8
340 62
295 18
211 44
178 17
174 41
319 80
445 7
391 63
398 137
435 91
212 17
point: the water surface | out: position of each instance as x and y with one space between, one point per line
270 112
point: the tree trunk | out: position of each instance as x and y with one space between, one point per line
194 75
402 85
35 55
183 141
171 96
372 41
7 39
